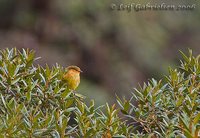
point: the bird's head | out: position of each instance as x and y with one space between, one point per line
73 69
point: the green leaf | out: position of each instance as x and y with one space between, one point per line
64 125
65 94
4 103
15 80
196 119
184 56
180 101
69 102
43 78
186 109
28 96
187 134
126 106
185 126
124 112
70 109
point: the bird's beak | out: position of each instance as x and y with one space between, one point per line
81 71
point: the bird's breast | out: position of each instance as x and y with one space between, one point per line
73 79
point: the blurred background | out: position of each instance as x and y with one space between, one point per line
115 49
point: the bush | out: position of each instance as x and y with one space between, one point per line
35 102
168 109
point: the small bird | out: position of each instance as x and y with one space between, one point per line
72 77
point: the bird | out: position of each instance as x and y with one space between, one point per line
72 77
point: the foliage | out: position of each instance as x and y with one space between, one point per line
170 109
90 34
35 102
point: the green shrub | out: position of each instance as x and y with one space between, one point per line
35 102
169 109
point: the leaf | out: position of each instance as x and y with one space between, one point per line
180 101
47 70
69 102
124 112
71 130
186 110
79 95
126 106
185 127
15 80
3 100
43 78
64 125
16 70
65 94
34 84
24 53
187 134
119 101
184 56
70 109
56 134
196 119
28 96
89 133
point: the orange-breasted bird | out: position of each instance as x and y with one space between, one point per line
72 77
